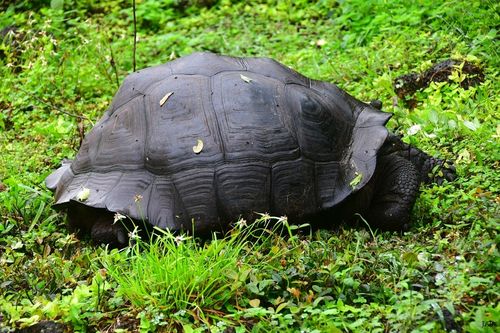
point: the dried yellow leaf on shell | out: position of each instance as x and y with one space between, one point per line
199 146
164 99
245 78
83 195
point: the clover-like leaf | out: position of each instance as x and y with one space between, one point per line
83 195
356 180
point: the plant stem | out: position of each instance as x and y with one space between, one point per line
135 34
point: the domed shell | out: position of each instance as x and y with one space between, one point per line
208 138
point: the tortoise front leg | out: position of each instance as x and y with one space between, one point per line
99 223
104 231
396 183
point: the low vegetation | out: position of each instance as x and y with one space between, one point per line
62 62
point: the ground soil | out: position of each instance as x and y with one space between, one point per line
407 85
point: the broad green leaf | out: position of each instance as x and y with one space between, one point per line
410 258
254 302
470 125
57 4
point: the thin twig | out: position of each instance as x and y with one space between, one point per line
113 63
29 93
103 68
135 33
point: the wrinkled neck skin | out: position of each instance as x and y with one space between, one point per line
423 163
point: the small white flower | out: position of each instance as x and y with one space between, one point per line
440 278
414 129
265 217
283 219
241 223
118 217
134 234
320 42
181 238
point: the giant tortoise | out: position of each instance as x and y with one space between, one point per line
201 141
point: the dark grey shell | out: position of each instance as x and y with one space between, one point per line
273 141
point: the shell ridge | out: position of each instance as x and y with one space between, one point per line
223 116
317 196
146 131
272 204
293 118
250 70
105 198
113 108
244 63
278 101
86 160
216 117
151 211
178 199
155 84
271 158
136 200
218 204
287 120
95 153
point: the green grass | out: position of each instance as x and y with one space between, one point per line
59 76
177 275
